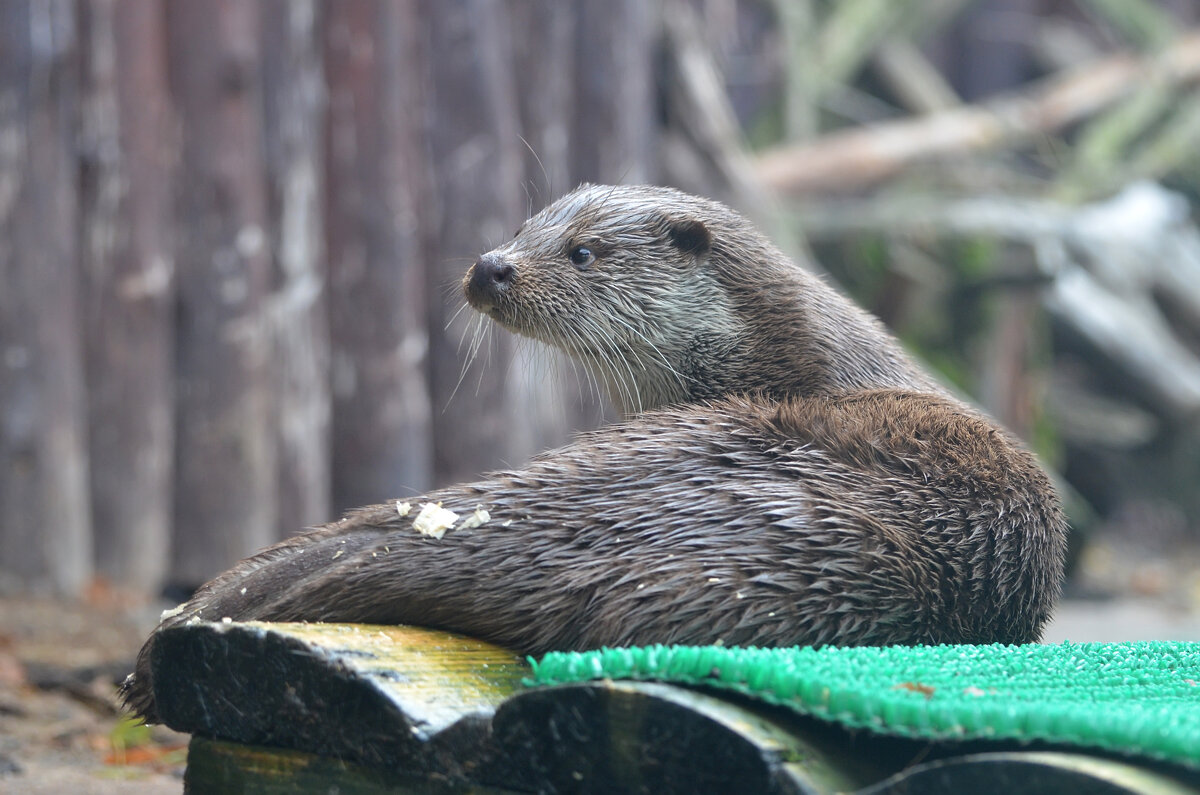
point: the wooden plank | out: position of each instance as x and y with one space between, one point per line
1036 773
651 737
294 144
555 397
399 698
474 194
225 475
382 421
127 268
614 121
217 766
45 529
380 709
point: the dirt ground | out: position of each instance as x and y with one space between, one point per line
61 729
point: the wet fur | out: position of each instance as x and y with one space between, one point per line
784 474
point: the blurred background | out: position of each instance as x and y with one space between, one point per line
231 234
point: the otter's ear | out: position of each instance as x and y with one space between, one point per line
690 236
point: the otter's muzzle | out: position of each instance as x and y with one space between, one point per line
487 280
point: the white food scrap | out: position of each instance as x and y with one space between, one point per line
477 517
403 508
434 520
174 611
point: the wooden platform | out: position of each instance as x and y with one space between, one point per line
363 709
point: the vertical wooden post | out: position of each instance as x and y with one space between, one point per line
127 280
476 200
613 131
45 533
554 399
225 463
294 133
374 63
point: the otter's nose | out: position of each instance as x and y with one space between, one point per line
490 276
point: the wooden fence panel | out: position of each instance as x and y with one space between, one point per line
126 258
475 197
382 425
612 135
555 399
297 312
231 240
225 455
46 539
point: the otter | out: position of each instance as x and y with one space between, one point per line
782 474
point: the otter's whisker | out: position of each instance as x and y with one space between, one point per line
574 348
683 379
592 367
472 350
454 316
632 399
541 165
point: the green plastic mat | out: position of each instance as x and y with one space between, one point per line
1133 698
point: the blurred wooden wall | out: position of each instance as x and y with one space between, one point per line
230 238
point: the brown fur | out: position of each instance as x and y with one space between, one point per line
784 475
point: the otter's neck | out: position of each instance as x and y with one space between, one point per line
767 328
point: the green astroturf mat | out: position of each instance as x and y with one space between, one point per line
1133 698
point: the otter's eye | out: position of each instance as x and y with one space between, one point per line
582 256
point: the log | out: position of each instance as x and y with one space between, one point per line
315 707
556 398
382 417
855 158
297 311
1104 266
402 699
607 737
46 542
472 189
225 475
217 766
612 136
128 281
1035 773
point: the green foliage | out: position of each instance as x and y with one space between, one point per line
129 732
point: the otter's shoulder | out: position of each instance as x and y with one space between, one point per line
916 433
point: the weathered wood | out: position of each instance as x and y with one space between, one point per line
1104 265
614 737
293 133
918 85
217 766
399 698
374 61
699 106
127 267
556 398
857 157
475 200
44 511
612 133
1034 773
305 707
226 478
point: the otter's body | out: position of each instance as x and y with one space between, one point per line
784 474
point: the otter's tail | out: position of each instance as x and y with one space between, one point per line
251 590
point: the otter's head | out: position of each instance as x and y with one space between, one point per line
620 279
669 298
